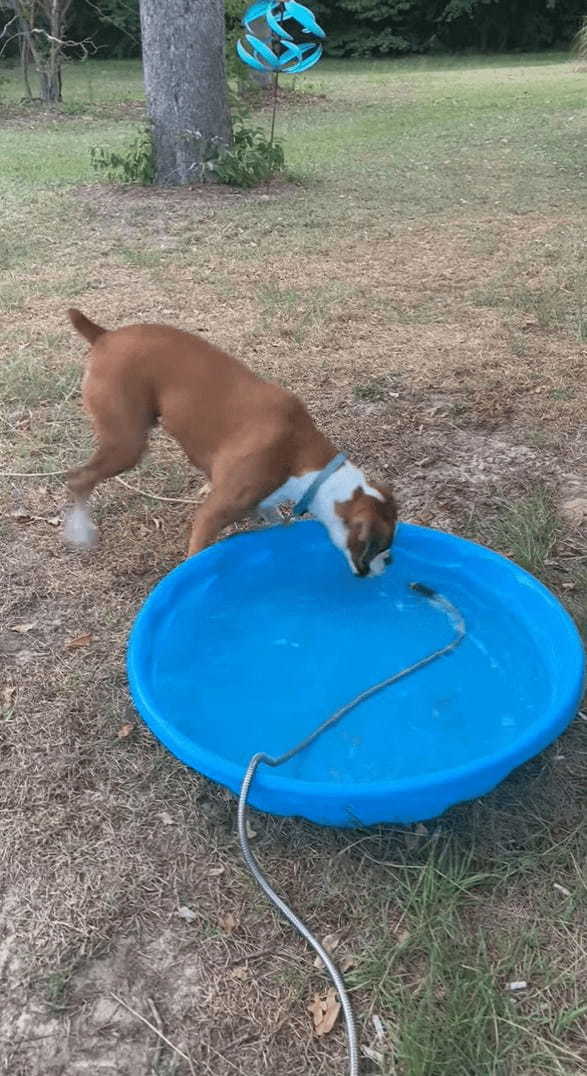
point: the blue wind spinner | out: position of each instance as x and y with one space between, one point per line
283 54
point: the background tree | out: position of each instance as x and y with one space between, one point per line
113 25
40 29
185 81
387 27
39 25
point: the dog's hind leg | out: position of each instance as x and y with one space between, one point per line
112 457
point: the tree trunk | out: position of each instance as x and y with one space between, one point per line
25 59
263 79
185 82
50 82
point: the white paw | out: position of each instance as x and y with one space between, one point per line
271 517
78 528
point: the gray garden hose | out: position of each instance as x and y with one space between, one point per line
459 626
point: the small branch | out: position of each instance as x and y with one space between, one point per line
7 26
134 489
31 474
113 22
148 1023
13 37
64 43
158 497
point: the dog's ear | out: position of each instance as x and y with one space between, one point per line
388 504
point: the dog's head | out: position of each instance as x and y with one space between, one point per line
369 525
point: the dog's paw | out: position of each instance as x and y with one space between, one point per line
78 528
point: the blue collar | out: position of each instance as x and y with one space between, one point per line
304 503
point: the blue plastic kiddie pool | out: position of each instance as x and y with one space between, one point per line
251 644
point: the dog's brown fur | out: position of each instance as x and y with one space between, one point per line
247 435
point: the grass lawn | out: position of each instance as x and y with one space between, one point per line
420 279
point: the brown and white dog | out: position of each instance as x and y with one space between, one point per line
255 441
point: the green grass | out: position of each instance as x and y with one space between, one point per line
87 86
527 529
421 135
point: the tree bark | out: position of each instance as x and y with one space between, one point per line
50 84
25 57
185 82
262 79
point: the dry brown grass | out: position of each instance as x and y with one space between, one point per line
417 354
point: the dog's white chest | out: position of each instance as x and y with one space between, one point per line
292 490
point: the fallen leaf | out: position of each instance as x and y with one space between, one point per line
575 511
78 641
186 913
379 1028
241 972
228 923
23 628
330 943
21 516
324 1010
373 1055
53 521
251 833
124 731
346 963
8 694
166 818
215 872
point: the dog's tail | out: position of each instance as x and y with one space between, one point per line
87 328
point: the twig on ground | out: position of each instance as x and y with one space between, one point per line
31 474
134 489
158 497
156 1030
159 1046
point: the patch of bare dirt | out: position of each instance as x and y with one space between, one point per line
105 197
287 98
34 114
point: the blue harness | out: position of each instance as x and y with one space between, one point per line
304 503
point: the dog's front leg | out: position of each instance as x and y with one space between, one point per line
215 514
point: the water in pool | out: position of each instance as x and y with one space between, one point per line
282 641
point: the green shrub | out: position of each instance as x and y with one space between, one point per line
251 159
135 164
